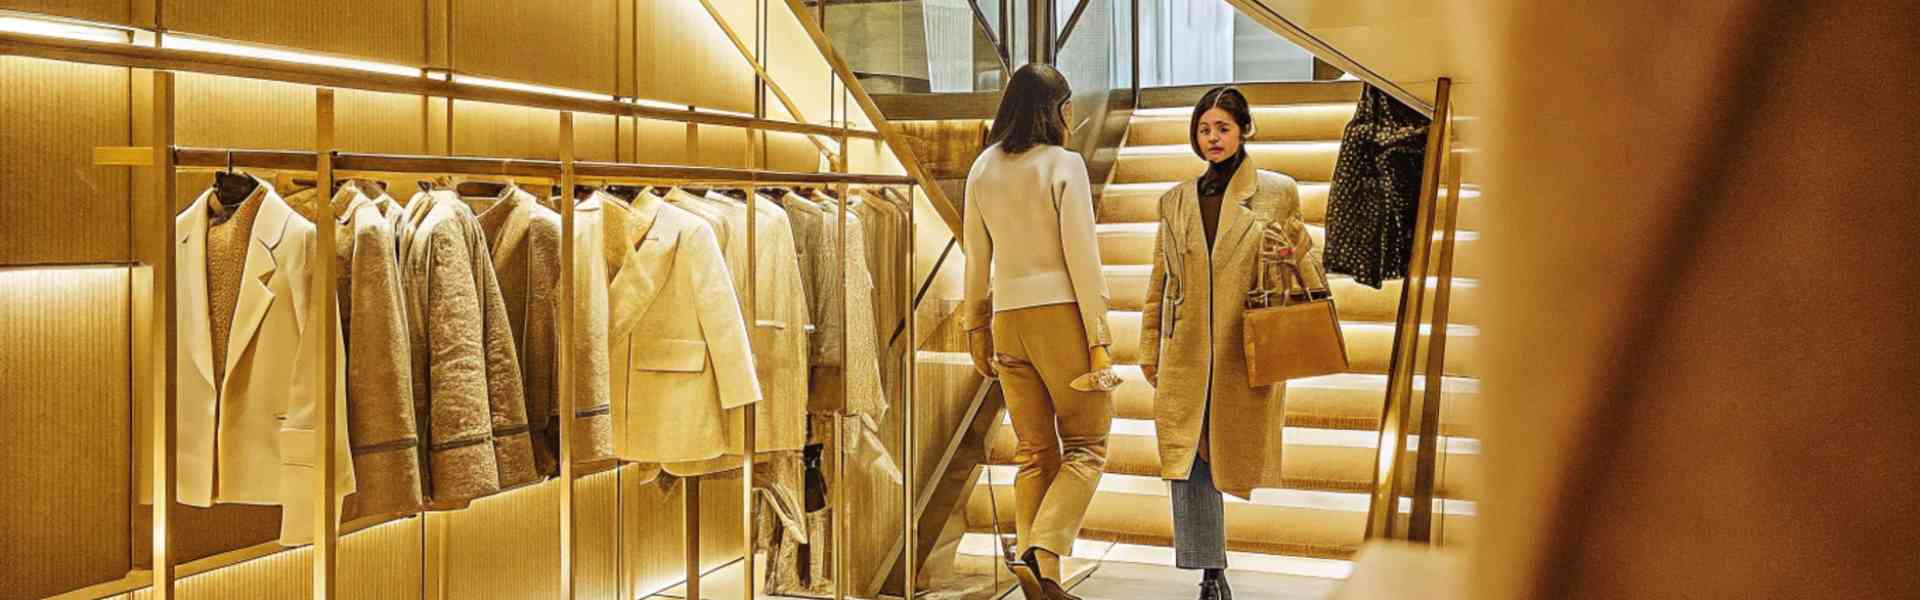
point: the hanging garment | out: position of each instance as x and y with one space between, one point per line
1376 190
679 353
246 406
523 237
467 389
851 307
380 419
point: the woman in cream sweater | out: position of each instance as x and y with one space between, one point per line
1036 316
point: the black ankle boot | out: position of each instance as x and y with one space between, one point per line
1215 589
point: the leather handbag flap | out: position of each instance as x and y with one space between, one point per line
680 356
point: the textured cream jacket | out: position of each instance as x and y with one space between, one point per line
1029 237
678 353
380 416
250 440
1192 328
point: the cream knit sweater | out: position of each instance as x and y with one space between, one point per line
1030 239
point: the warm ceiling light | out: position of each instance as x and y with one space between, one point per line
62 29
528 87
180 42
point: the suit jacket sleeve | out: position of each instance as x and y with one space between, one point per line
720 320
457 366
1074 197
299 443
381 390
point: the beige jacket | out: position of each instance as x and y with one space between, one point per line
679 354
468 397
852 370
1194 311
380 415
250 439
523 237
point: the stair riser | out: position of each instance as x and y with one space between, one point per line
1320 408
1369 347
1298 123
1302 161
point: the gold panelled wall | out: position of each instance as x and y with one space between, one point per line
381 30
230 112
792 152
484 129
565 44
105 11
672 37
596 504
63 333
52 114
800 70
654 531
379 563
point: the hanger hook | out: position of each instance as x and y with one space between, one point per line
229 161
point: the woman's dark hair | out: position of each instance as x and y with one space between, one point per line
1227 98
1030 110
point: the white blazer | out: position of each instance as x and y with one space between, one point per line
255 430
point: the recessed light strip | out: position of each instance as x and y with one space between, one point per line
528 87
60 28
200 44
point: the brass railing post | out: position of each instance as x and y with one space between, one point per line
564 367
1425 480
166 326
324 324
1384 505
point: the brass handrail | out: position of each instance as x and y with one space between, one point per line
1384 505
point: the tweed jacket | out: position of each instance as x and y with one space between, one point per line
851 370
1192 330
468 395
373 318
523 237
249 439
679 354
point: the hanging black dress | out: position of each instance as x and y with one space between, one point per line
1376 189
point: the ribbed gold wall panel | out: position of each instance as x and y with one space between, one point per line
685 58
64 357
381 30
227 112
484 129
106 11
52 114
792 152
871 156
798 66
596 552
567 44
378 563
506 546
654 531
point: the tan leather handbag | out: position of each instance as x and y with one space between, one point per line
1299 336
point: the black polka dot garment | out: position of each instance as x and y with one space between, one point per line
1376 189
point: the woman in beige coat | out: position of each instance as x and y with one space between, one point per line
1217 432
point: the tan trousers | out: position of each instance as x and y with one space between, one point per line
1062 432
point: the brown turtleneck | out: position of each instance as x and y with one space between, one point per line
227 244
1212 188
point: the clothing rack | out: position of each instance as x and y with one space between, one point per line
327 163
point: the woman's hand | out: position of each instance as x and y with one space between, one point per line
1153 374
980 345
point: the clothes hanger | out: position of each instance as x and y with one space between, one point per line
624 192
231 187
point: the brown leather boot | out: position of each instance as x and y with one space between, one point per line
1055 592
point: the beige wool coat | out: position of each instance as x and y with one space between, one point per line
678 344
1191 329
379 378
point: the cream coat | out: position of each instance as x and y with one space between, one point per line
250 440
679 354
1191 329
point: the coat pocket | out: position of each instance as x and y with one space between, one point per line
296 447
678 356
1170 301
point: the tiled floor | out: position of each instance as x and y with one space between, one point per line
1113 580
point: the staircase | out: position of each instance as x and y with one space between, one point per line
1332 421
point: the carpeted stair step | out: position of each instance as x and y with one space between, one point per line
1346 401
1288 123
1369 344
1127 287
1304 161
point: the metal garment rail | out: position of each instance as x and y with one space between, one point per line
327 163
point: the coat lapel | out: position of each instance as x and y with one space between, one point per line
648 262
255 296
192 278
1235 218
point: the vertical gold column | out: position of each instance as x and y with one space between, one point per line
840 515
1385 502
166 332
690 526
563 338
322 321
909 522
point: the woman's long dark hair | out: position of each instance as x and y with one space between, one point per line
1030 110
